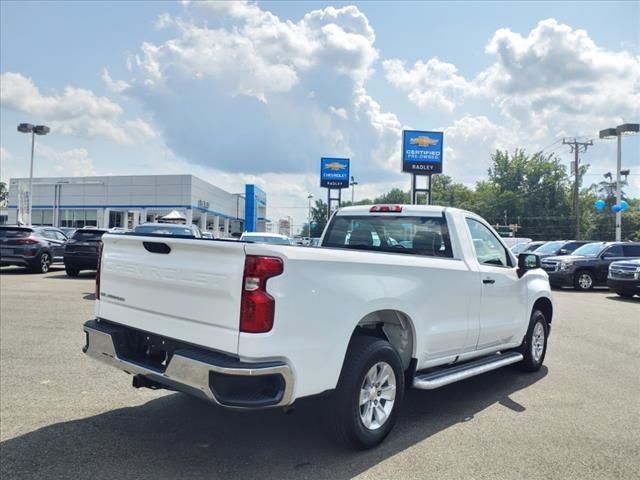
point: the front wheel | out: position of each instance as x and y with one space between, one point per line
626 294
534 346
364 407
583 281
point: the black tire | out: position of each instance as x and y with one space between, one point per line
42 264
343 417
533 361
583 280
626 294
72 271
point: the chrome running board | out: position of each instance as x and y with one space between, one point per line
455 373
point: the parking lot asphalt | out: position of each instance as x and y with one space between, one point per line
63 415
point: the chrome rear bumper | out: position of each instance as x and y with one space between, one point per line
196 371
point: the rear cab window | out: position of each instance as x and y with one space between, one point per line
416 235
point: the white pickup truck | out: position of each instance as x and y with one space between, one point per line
397 295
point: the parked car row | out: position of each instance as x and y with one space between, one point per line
584 264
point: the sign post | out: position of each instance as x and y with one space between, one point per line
334 175
421 156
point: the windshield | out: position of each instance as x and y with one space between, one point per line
397 234
261 239
589 250
15 232
533 246
549 247
519 247
88 235
164 230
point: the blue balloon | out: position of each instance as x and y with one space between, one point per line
623 205
599 204
616 208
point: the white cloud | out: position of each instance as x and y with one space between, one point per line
264 95
431 85
553 82
48 161
77 111
119 86
69 163
469 143
560 78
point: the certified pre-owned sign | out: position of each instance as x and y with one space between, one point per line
422 152
334 172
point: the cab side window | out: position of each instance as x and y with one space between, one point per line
488 249
614 251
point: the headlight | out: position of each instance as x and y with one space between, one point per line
565 264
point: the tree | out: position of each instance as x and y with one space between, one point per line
396 195
4 193
318 218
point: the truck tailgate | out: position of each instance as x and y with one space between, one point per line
186 289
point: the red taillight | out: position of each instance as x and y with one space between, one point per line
258 307
386 209
98 271
27 241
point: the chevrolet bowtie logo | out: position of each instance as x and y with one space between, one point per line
423 141
335 166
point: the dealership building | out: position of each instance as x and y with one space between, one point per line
126 201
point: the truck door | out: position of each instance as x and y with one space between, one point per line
503 300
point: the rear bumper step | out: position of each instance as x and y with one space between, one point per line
440 378
215 377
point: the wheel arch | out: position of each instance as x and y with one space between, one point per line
394 326
545 305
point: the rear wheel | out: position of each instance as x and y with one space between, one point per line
534 346
364 407
42 263
583 280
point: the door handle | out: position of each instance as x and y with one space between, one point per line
488 281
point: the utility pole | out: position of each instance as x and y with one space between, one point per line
577 148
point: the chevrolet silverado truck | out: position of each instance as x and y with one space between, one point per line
396 296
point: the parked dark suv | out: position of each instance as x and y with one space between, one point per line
588 265
559 247
81 251
33 247
624 278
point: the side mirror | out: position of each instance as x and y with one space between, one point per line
563 251
526 262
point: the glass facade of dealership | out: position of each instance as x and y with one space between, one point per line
126 201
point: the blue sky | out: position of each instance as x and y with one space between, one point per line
263 97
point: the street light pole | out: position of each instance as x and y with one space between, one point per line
309 197
619 191
353 189
626 128
33 130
